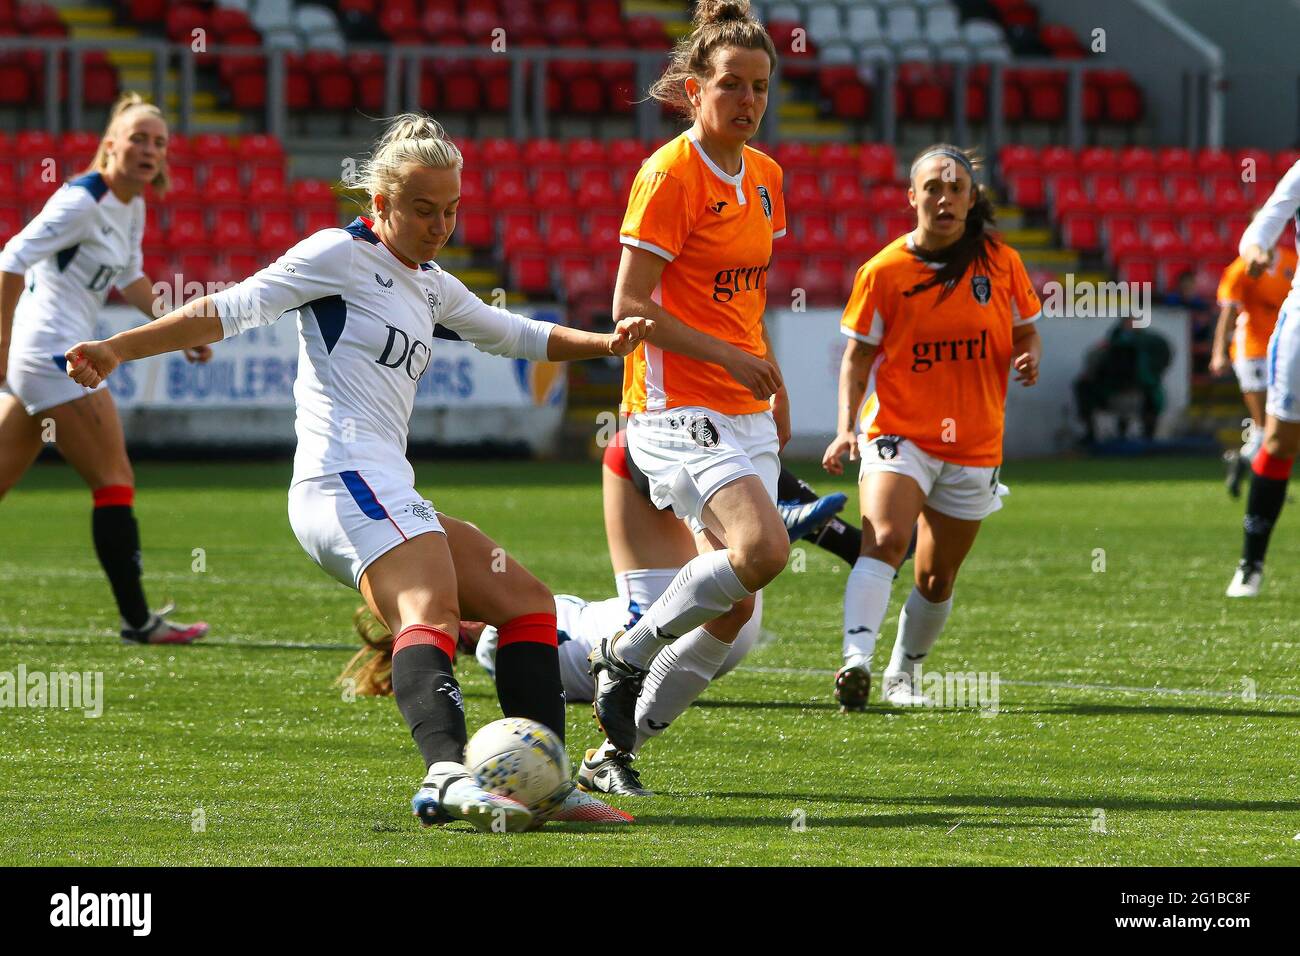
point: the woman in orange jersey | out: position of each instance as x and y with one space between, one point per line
937 318
1254 303
706 404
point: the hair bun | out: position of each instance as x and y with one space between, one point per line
720 11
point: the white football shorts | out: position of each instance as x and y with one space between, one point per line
41 382
688 453
966 492
1283 401
347 520
1252 374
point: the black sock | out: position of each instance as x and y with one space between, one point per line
117 543
836 536
1263 505
529 685
430 701
839 538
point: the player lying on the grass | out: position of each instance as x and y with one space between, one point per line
708 410
647 546
369 304
86 239
1271 468
937 318
1253 301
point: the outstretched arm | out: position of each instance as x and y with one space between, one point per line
140 294
194 324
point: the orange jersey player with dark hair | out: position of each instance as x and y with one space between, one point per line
1242 345
707 407
937 318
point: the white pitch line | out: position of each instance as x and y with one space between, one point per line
247 640
1055 685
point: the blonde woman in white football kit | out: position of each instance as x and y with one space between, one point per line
370 303
55 276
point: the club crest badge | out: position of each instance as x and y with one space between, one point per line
981 288
887 446
766 200
704 432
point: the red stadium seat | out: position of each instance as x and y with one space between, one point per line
580 153
1081 230
1016 158
316 219
495 153
1096 159
1058 159
187 228
839 156
551 189
1027 188
530 272
1137 268
1137 159
877 163
315 195
603 230
475 227
797 158
1124 104
628 152
803 194
595 189
520 234
231 229
276 230
845 191
1175 159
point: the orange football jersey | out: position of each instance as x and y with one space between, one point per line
716 232
942 367
1257 301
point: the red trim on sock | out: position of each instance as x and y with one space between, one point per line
425 634
111 496
1266 466
531 628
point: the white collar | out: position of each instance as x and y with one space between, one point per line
735 180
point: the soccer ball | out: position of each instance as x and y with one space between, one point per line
518 758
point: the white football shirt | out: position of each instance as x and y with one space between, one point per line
84 241
1266 228
366 326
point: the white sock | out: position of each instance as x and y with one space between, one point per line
1249 449
866 599
919 625
641 587
705 588
677 676
745 640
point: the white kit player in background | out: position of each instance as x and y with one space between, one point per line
1271 468
369 305
55 276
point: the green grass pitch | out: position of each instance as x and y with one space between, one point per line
1142 718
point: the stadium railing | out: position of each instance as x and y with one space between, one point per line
528 114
